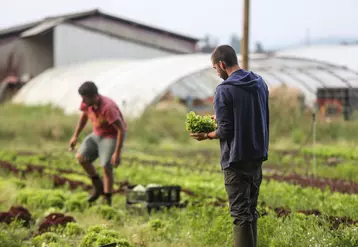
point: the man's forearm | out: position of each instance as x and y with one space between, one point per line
119 143
120 135
81 124
224 131
212 135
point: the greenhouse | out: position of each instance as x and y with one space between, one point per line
136 84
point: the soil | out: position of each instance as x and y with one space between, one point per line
57 179
337 185
335 221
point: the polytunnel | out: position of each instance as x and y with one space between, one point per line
136 84
133 84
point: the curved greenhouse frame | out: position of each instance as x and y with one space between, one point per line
136 84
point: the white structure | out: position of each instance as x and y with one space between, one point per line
132 84
339 55
74 44
84 36
136 84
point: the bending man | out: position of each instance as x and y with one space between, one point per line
105 142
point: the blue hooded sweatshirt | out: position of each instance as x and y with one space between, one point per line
242 113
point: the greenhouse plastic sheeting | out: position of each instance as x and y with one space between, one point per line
132 84
339 55
135 84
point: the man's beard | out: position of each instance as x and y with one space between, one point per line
223 74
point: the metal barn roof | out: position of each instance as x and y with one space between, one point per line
84 14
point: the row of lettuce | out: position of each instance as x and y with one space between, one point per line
209 186
279 162
176 226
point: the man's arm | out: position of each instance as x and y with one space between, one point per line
114 119
81 124
120 136
212 135
223 116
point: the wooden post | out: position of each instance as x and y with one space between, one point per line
245 38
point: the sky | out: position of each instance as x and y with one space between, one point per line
275 23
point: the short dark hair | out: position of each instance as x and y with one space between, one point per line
88 89
226 54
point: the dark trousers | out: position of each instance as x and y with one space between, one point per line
242 184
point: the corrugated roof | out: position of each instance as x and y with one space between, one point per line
93 12
25 26
42 27
18 28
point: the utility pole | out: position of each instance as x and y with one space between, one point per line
245 36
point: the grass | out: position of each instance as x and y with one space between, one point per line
161 134
37 127
175 227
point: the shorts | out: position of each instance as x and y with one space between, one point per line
94 147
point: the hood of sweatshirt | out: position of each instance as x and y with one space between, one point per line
244 79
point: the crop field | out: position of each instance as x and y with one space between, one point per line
43 190
43 201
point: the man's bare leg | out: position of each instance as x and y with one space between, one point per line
92 173
87 166
108 183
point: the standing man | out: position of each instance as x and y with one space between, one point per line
105 142
242 114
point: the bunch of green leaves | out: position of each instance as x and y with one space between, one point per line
199 124
49 239
99 235
44 198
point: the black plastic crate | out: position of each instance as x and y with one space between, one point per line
154 197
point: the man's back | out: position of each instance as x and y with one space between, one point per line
241 106
242 114
103 116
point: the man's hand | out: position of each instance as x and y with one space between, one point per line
116 159
199 136
213 117
80 125
73 142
